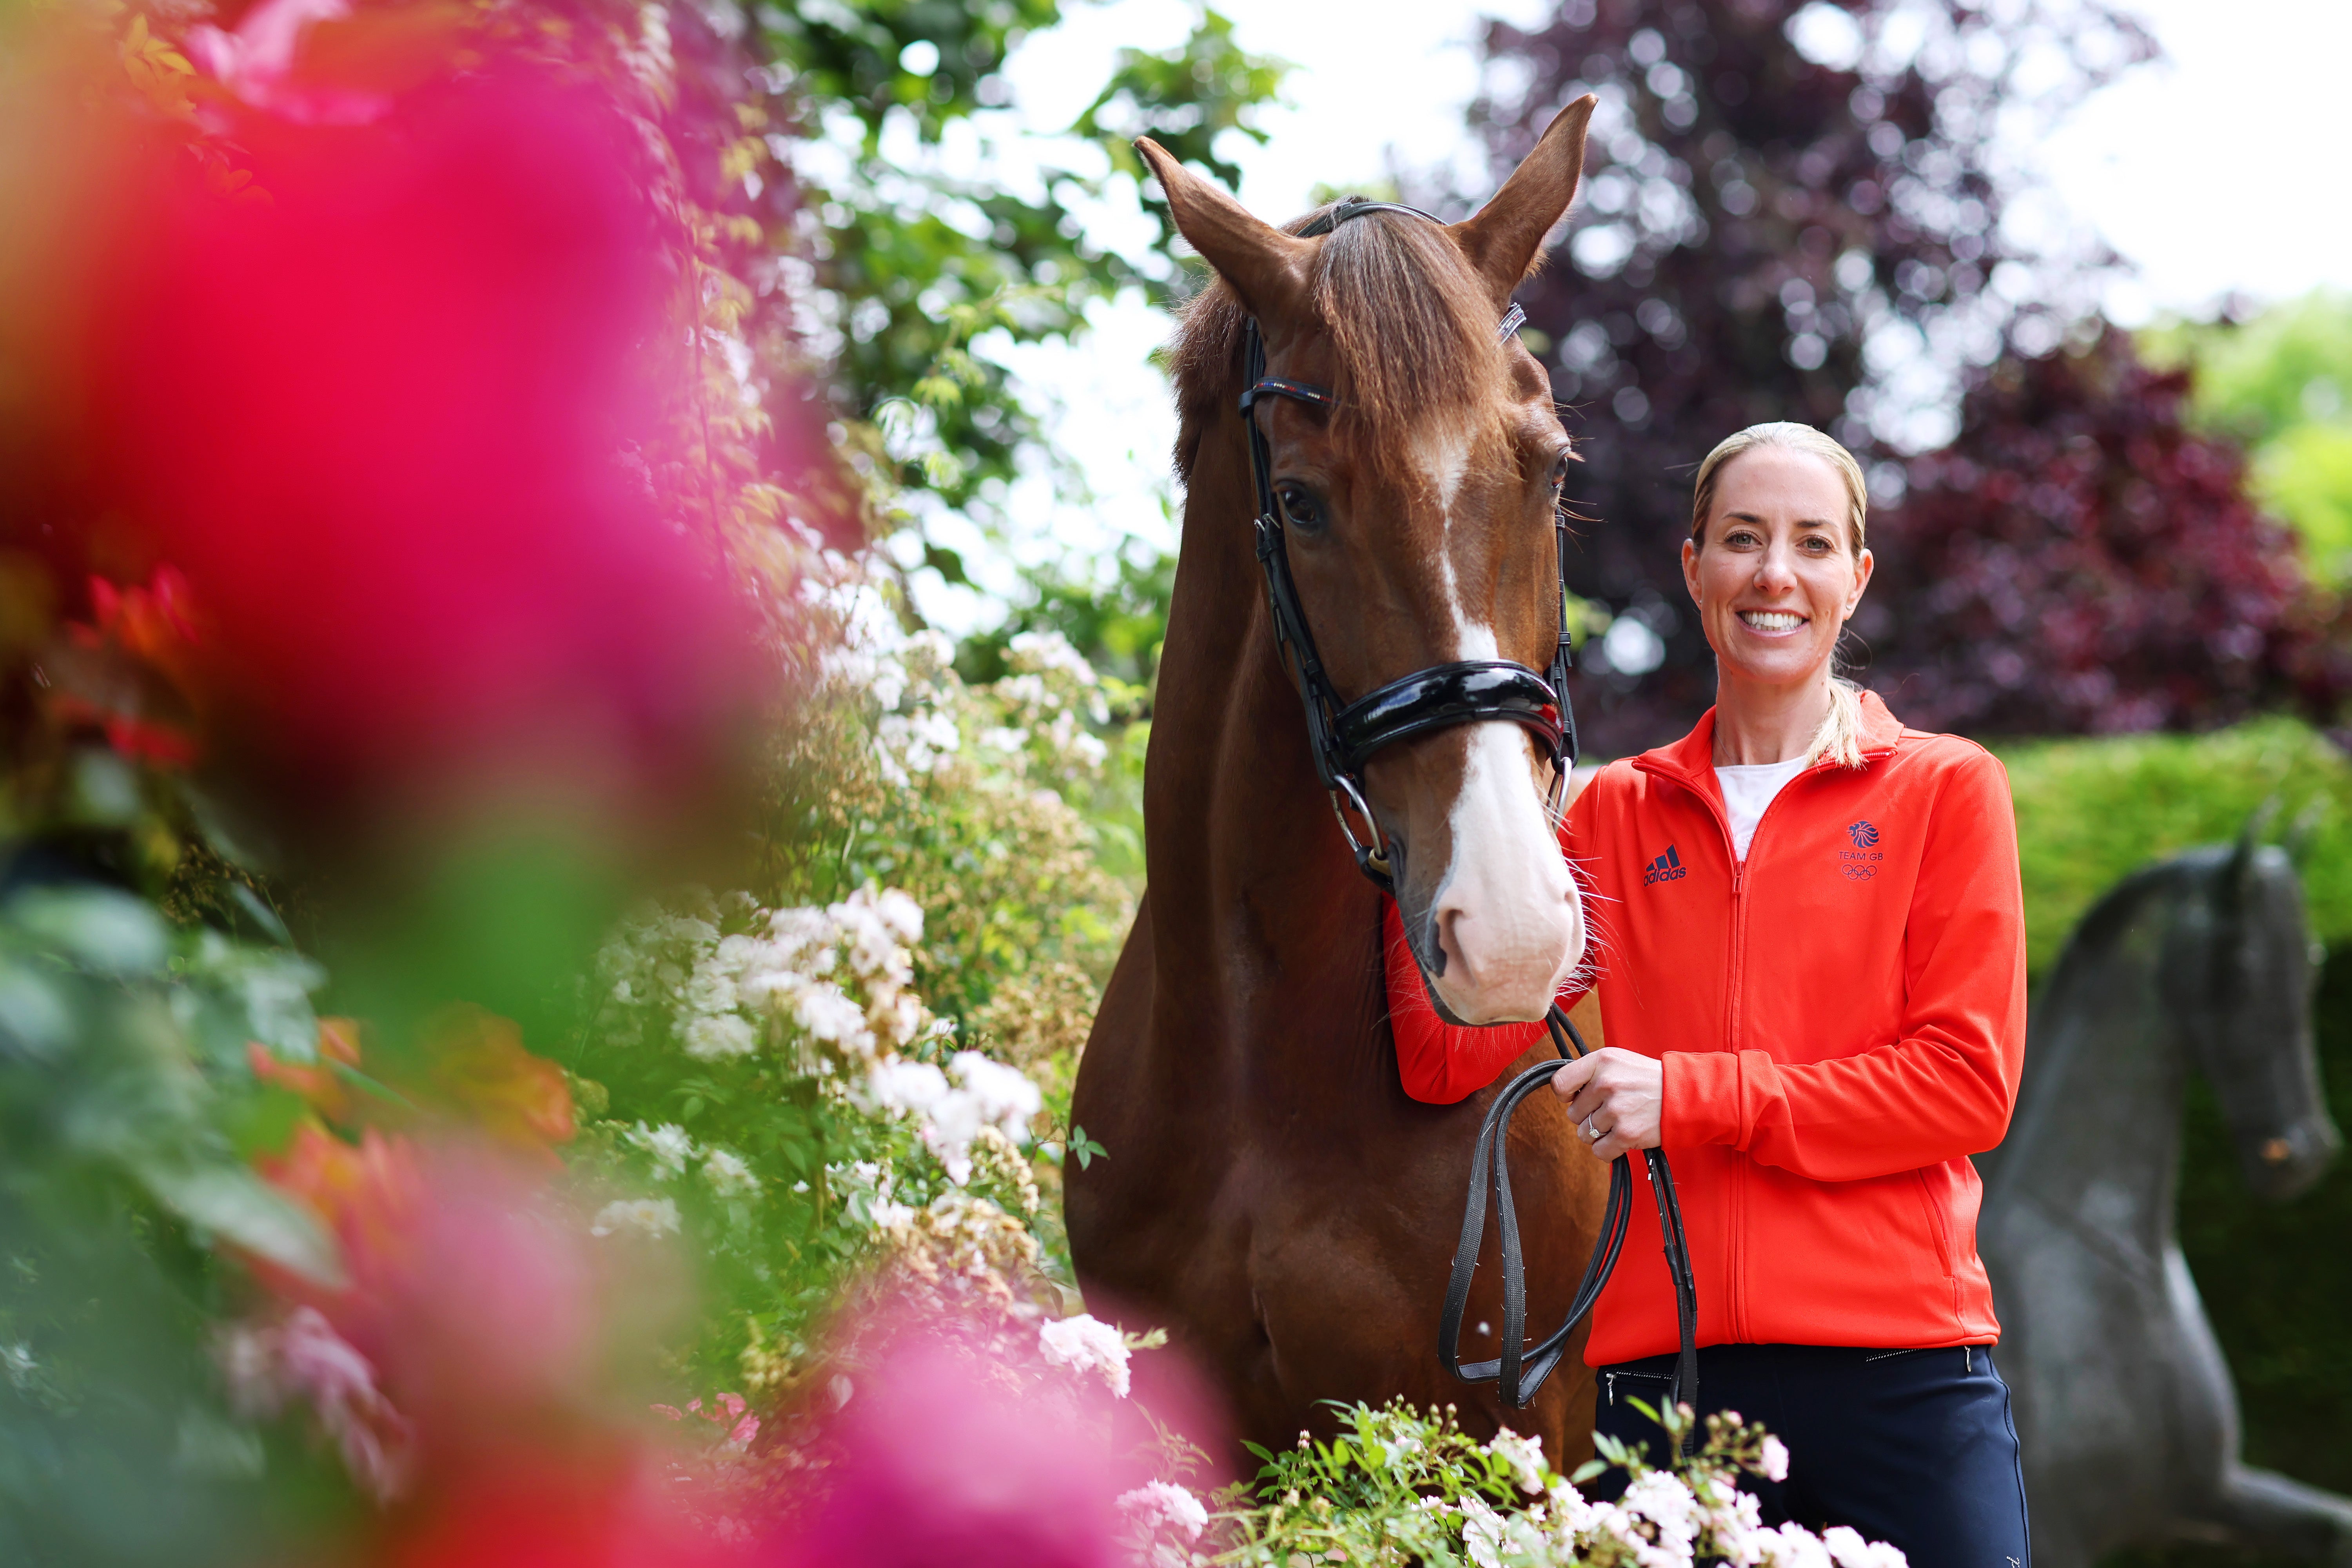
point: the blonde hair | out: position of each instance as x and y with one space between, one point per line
1840 735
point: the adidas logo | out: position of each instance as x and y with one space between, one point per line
1666 868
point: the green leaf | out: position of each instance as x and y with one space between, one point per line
259 913
946 563
35 1021
229 1200
96 929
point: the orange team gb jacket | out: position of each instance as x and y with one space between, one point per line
1842 1022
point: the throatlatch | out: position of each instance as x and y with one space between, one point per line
1343 735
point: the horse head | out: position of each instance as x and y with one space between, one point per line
2241 966
1418 510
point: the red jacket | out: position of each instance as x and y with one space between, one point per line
1842 1021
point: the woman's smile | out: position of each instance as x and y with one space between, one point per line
1772 623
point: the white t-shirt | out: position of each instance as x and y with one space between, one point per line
1747 791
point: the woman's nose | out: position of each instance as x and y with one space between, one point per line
1776 573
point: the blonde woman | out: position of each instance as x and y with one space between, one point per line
1810 967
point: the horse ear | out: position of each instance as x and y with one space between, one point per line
1268 268
2241 855
1504 240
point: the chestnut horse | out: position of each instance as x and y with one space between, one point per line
1270 1194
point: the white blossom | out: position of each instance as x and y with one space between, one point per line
710 989
872 925
1049 650
715 1038
1794 1546
1776 1459
1847 1549
1085 1344
1524 1454
1003 1096
827 1012
727 1174
644 1217
1481 1533
667 1144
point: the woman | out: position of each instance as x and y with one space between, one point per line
1810 955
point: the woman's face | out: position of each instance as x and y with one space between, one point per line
1777 576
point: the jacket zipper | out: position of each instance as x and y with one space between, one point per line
1735 1271
1736 1308
1734 1312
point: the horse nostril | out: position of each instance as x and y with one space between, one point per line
1448 945
2278 1151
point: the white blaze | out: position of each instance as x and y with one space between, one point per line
1508 916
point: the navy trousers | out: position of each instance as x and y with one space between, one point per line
1912 1448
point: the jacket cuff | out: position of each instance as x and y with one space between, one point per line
1701 1099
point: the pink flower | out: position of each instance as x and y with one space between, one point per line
256 62
270 1366
726 1412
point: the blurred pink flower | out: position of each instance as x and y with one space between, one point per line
256 62
392 427
728 1412
269 1367
937 1457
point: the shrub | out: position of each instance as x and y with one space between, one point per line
2090 812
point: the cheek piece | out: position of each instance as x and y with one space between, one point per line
1470 691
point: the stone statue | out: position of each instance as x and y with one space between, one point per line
2126 1410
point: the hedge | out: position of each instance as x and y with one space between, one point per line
2090 812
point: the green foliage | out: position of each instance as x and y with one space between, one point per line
2279 382
123 1092
1399 1486
1184 100
2305 475
2090 812
748 1060
1365 1493
914 261
1117 619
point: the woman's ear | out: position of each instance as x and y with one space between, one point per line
1690 571
1861 569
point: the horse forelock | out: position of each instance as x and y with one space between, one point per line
1410 325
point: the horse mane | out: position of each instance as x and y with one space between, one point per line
1412 324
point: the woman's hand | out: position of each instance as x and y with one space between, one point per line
1615 1099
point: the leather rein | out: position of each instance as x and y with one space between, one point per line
1343 736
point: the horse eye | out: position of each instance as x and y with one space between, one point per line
1301 508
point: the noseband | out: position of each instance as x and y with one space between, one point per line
1344 735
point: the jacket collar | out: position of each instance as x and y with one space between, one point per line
1692 759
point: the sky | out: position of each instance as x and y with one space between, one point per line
2216 170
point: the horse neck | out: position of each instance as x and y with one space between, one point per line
2096 1139
1263 927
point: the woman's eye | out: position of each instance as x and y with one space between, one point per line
1299 506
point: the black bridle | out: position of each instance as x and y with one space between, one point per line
1468 692
1344 735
